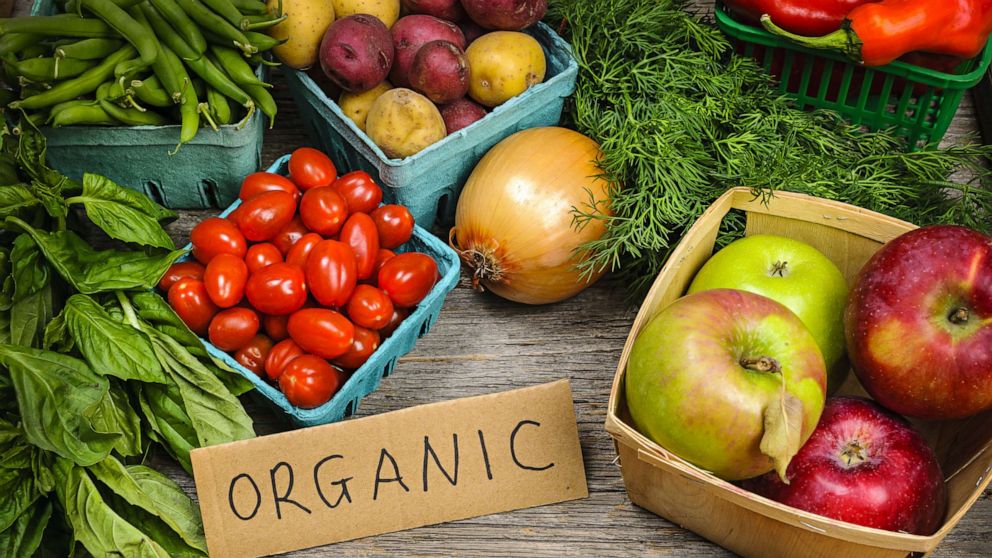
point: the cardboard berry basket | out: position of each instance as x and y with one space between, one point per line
366 379
728 515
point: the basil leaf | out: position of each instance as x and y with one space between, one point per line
56 337
46 184
17 487
41 465
123 214
23 538
6 280
110 347
95 524
162 407
4 327
14 198
32 296
116 415
156 494
153 527
57 396
15 452
57 540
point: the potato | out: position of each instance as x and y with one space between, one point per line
504 64
412 32
440 72
461 114
356 52
305 26
403 122
505 15
356 105
388 11
450 10
471 30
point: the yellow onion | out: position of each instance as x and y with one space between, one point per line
515 224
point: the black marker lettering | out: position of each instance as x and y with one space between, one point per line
383 454
485 455
258 496
513 448
343 483
289 489
453 479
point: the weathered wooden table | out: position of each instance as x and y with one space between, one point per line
483 344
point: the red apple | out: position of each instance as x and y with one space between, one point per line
919 323
863 465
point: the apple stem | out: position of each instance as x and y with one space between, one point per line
959 316
778 268
761 364
854 454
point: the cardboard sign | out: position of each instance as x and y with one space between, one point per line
390 472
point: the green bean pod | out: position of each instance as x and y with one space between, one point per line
87 114
216 78
217 25
12 43
263 42
72 6
255 23
131 30
61 25
219 107
264 101
150 92
33 51
85 83
236 66
88 49
226 10
48 69
251 7
188 103
132 116
181 23
166 33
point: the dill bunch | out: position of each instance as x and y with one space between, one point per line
681 119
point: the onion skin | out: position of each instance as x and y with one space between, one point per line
514 224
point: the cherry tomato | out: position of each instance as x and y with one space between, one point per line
310 168
300 251
252 356
214 236
370 307
323 211
381 257
265 215
261 182
399 314
360 234
310 382
288 236
233 215
395 225
225 280
365 343
262 255
282 353
277 289
179 270
189 298
322 332
359 190
275 326
233 328
407 278
331 273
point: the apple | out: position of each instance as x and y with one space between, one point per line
863 465
730 381
792 273
919 323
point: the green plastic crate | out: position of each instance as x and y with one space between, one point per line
205 173
917 103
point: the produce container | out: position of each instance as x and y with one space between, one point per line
917 103
728 515
429 182
204 173
366 379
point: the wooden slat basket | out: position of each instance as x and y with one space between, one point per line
728 515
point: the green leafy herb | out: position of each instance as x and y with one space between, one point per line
14 199
115 414
24 536
17 487
123 214
31 306
162 407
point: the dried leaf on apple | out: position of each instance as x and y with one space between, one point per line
783 431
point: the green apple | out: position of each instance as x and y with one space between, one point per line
792 273
728 380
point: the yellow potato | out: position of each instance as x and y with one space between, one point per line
503 64
386 10
305 26
356 105
402 122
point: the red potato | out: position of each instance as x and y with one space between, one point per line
505 15
471 30
356 52
440 71
461 113
412 32
450 10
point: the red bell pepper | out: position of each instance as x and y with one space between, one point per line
804 17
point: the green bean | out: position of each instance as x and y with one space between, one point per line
166 33
217 25
226 10
263 42
33 51
235 66
216 78
88 49
48 69
12 43
250 6
83 114
150 92
180 22
219 107
260 58
133 116
264 101
131 30
188 103
88 82
72 6
61 25
254 23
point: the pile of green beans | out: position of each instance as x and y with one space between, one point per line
140 63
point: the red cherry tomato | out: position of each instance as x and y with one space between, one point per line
252 356
369 307
365 343
323 211
225 280
275 326
381 257
262 255
282 353
179 270
407 278
261 182
214 236
310 382
277 289
399 314
265 215
300 251
331 273
395 225
189 298
233 215
233 328
310 168
359 190
322 332
288 236
360 234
